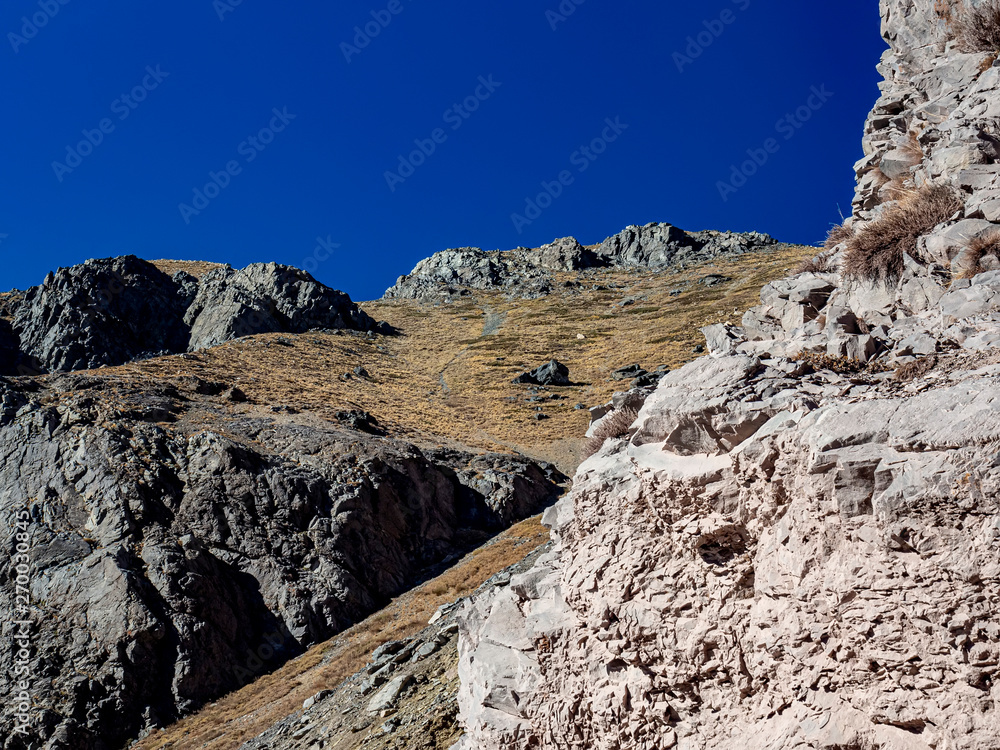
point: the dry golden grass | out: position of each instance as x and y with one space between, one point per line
443 382
875 252
194 267
236 718
970 262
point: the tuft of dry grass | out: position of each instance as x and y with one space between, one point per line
970 262
875 252
977 29
822 263
840 365
837 234
616 424
915 369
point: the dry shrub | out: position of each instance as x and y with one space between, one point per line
915 369
875 252
971 261
836 235
616 424
841 365
978 29
943 10
822 263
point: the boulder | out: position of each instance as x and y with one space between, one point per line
551 373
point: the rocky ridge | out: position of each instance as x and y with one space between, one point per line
111 311
795 544
525 272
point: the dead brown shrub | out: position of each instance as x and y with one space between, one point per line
616 424
977 29
836 235
971 260
875 252
915 369
822 263
840 365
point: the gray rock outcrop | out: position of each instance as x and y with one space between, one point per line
660 246
116 310
266 298
101 312
525 272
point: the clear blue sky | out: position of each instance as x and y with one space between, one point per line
180 92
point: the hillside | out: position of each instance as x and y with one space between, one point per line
280 463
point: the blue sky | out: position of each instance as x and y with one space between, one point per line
355 138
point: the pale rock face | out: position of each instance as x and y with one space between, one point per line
781 556
828 581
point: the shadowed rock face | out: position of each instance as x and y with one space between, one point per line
171 565
112 311
101 312
525 272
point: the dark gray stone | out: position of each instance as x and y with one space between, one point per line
551 373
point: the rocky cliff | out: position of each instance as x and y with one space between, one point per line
795 544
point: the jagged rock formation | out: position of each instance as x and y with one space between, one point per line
173 562
936 117
266 298
524 272
115 310
796 545
101 312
